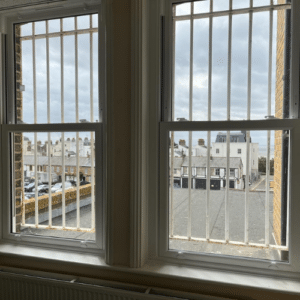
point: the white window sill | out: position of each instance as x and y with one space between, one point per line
210 276
83 257
158 269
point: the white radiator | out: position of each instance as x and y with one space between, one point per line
24 287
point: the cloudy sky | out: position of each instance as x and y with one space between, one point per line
239 67
55 74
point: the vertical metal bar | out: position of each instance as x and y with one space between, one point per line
246 234
249 62
191 119
77 181
227 187
172 185
228 119
48 121
76 72
267 201
62 71
63 167
172 133
63 175
36 214
77 133
92 120
209 119
208 185
34 73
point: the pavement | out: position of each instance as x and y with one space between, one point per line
236 204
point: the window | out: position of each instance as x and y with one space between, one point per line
217 151
198 75
55 82
218 172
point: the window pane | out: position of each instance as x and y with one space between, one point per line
54 191
246 198
201 6
220 5
54 25
257 83
240 4
182 70
183 9
52 85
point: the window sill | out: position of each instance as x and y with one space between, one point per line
59 255
161 274
196 275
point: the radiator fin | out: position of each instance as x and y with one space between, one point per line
23 287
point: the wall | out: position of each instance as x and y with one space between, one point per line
278 134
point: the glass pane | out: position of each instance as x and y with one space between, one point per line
200 69
239 67
245 192
201 7
54 175
40 27
261 2
219 68
95 21
260 60
268 85
220 5
54 25
69 24
183 9
182 70
83 22
240 4
26 29
39 103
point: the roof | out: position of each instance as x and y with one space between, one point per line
239 137
215 162
57 161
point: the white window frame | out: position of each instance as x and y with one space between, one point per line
9 126
160 126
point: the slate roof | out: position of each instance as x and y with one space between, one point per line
201 162
57 161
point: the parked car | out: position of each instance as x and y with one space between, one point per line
83 182
29 187
58 186
31 195
44 188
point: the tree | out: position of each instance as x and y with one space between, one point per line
262 165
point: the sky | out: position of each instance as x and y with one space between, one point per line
239 67
239 70
55 74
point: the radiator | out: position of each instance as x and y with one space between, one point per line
23 287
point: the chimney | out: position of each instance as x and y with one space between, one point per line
182 142
201 142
